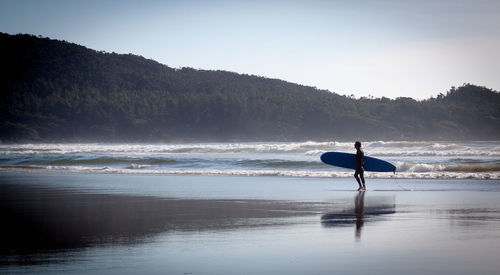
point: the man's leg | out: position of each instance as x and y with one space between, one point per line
356 176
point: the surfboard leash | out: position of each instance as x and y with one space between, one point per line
397 183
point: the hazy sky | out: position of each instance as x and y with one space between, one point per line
382 48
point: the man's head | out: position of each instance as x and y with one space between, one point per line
357 145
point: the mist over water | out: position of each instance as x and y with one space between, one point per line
424 159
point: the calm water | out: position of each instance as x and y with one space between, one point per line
430 160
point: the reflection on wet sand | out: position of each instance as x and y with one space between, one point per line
47 220
359 210
359 214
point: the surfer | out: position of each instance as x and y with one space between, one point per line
360 166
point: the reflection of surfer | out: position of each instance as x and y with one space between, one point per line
360 166
359 210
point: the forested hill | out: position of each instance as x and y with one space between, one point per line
57 91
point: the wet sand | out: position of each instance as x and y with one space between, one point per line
42 219
116 224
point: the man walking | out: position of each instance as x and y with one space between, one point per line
360 166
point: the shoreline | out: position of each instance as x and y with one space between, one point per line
33 169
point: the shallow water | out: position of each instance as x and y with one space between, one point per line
403 226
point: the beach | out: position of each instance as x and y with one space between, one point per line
87 223
250 137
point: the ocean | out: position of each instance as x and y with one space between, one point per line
413 159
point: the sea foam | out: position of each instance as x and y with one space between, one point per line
413 159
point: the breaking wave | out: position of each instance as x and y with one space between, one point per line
381 148
421 159
463 167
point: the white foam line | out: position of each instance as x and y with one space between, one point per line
286 173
